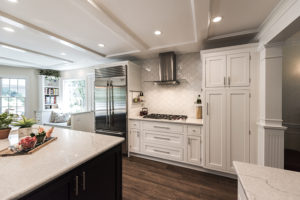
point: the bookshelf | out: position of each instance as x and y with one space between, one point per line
49 97
50 92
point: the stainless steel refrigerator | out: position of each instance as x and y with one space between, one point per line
111 102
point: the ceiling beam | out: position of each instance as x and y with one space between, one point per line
29 64
36 52
104 16
32 26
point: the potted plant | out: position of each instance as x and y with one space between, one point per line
5 120
25 125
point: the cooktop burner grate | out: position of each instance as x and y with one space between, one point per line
165 116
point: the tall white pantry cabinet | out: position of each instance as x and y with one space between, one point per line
229 108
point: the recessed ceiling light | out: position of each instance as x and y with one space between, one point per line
13 1
63 54
217 19
157 32
13 48
101 45
8 29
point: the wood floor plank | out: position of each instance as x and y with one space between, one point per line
149 180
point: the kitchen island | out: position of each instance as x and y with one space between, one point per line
257 182
78 165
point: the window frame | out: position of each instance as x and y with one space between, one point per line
26 104
85 89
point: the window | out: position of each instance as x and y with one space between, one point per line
74 96
12 93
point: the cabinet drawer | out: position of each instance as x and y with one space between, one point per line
134 124
163 152
163 127
194 130
163 139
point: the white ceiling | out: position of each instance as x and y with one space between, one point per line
125 27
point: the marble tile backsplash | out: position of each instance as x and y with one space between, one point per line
177 99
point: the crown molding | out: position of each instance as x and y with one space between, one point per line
281 16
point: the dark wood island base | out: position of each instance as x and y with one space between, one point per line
98 178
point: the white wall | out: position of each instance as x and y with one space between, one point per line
291 91
31 85
177 99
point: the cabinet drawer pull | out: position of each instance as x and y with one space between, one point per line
159 151
76 186
163 127
189 141
83 181
229 80
138 133
161 138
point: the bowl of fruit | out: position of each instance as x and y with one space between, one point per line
28 143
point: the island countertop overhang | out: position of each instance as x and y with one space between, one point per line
22 174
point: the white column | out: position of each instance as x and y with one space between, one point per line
270 129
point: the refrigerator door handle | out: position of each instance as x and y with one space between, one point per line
107 92
109 102
112 103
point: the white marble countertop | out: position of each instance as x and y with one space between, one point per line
266 183
20 175
191 121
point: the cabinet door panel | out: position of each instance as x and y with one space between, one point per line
215 130
134 140
102 177
237 127
238 69
215 71
194 150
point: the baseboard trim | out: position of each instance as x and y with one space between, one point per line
197 168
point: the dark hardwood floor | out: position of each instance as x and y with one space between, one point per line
148 180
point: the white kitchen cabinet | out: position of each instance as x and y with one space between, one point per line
215 71
232 70
238 70
134 140
163 151
194 150
238 127
227 128
215 132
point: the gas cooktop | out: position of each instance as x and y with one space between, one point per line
165 116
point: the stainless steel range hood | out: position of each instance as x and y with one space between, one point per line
167 69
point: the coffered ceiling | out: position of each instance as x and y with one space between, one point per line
69 34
